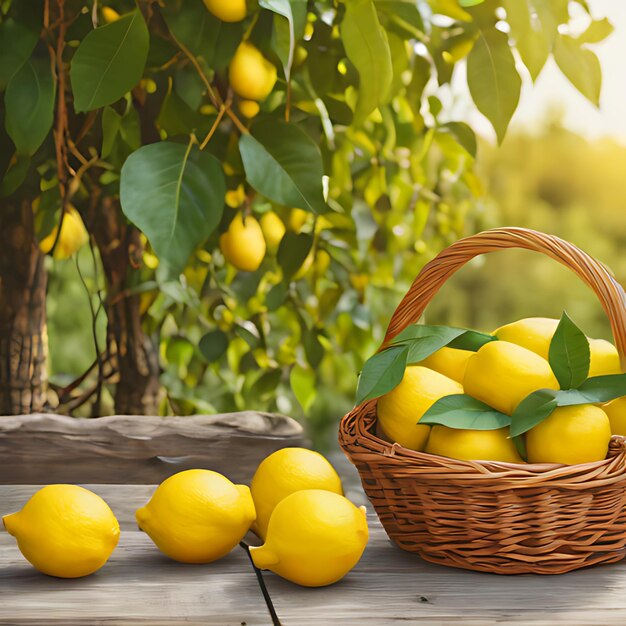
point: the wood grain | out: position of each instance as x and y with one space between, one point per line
44 448
388 586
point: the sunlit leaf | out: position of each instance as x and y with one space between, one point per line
493 80
580 66
367 47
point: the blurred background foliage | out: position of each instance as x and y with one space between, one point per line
403 177
552 180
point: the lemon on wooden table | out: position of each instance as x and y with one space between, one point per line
284 472
570 435
65 531
197 516
616 412
314 538
501 374
473 445
535 334
251 75
400 409
227 10
243 244
72 238
450 362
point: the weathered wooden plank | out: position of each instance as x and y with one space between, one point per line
44 448
137 585
388 586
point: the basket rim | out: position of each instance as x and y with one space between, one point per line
365 419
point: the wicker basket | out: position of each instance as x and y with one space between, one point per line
490 516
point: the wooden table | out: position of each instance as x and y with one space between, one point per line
140 586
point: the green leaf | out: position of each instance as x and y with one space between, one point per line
367 48
530 38
276 296
29 102
463 411
15 175
470 3
17 43
493 80
596 32
471 340
569 354
201 32
302 381
111 121
292 251
177 118
289 26
175 195
109 62
403 13
213 345
532 410
283 163
595 390
382 373
463 134
580 66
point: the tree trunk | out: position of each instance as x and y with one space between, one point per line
137 391
23 332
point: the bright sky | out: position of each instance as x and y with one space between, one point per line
553 91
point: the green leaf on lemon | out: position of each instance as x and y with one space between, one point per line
463 411
569 354
382 373
532 410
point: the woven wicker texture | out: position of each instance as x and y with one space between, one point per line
489 516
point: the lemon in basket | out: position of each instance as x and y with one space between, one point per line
501 374
473 445
65 531
450 362
197 516
400 409
314 538
284 472
535 334
570 435
616 412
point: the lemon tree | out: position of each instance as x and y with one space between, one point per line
259 181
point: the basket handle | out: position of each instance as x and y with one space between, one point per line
435 273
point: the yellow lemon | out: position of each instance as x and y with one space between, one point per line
197 516
297 219
110 15
322 262
604 358
251 75
227 10
449 361
401 408
616 412
284 472
273 229
473 445
249 108
73 236
314 538
535 333
502 374
65 531
243 244
571 435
